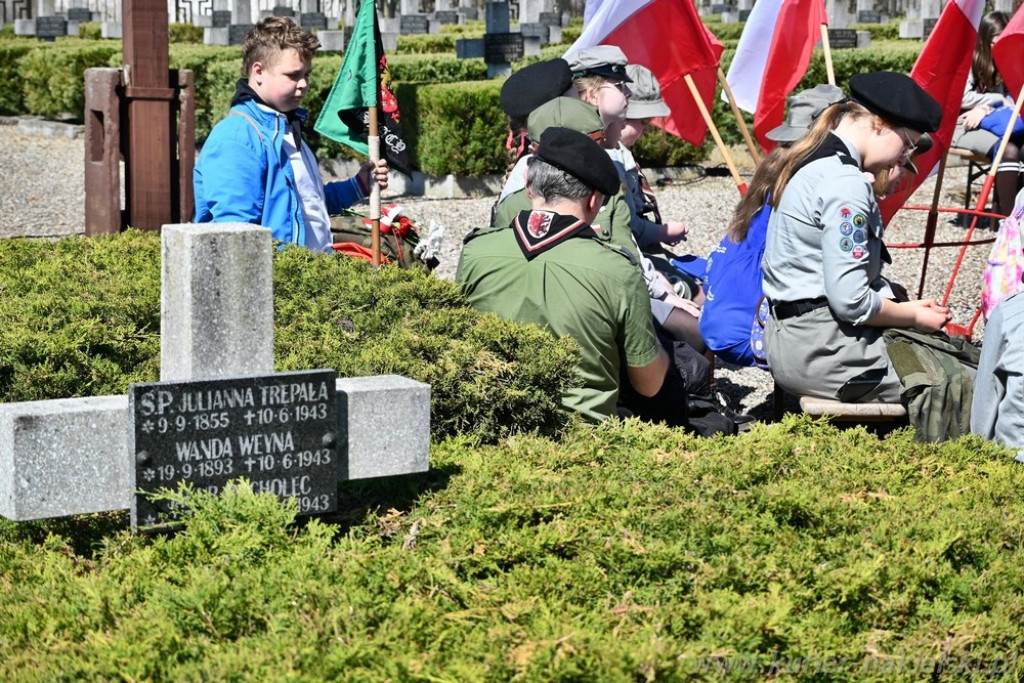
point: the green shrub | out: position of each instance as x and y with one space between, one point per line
80 317
459 127
180 33
440 43
471 29
628 552
90 30
12 80
54 76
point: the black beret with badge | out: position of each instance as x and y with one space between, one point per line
579 156
897 99
533 85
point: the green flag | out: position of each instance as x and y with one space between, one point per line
344 115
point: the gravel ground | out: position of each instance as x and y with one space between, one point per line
42 195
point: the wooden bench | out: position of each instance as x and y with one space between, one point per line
852 412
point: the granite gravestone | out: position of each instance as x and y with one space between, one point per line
51 28
313 21
842 38
503 48
470 13
550 18
237 33
79 14
541 31
865 16
412 24
928 27
450 16
221 19
277 431
283 11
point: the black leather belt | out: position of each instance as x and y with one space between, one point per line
790 309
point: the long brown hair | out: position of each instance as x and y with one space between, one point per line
795 155
983 68
756 194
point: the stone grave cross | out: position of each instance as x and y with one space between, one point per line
71 456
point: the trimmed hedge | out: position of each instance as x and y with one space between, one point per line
81 317
628 552
453 126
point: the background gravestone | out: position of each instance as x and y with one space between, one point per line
79 14
550 19
539 31
313 21
412 24
221 19
868 17
283 11
842 38
449 17
470 13
51 28
237 33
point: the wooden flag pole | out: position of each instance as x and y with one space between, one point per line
742 186
829 71
754 153
373 145
373 142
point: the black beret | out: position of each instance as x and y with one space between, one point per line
897 99
579 156
533 85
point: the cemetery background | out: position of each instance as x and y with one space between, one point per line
676 556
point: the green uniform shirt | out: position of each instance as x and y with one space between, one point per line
579 288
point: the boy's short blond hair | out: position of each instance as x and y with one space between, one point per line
272 36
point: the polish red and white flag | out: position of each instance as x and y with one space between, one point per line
668 37
941 69
772 57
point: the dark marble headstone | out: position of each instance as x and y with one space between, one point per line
744 14
469 48
49 28
449 16
542 31
551 19
866 16
842 38
348 31
278 431
503 48
718 9
79 14
283 11
929 26
220 18
237 33
313 20
471 13
414 23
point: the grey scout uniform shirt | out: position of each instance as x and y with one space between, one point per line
825 240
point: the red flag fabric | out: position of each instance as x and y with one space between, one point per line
941 69
1008 53
772 57
668 38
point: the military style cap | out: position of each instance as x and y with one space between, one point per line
804 108
897 99
580 157
646 102
567 112
608 61
533 85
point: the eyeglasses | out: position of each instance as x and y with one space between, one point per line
621 86
908 145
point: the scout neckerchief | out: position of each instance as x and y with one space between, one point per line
538 231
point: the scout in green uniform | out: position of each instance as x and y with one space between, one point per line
551 269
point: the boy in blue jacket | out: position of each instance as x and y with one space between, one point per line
255 167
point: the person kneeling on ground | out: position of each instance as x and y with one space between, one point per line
550 269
